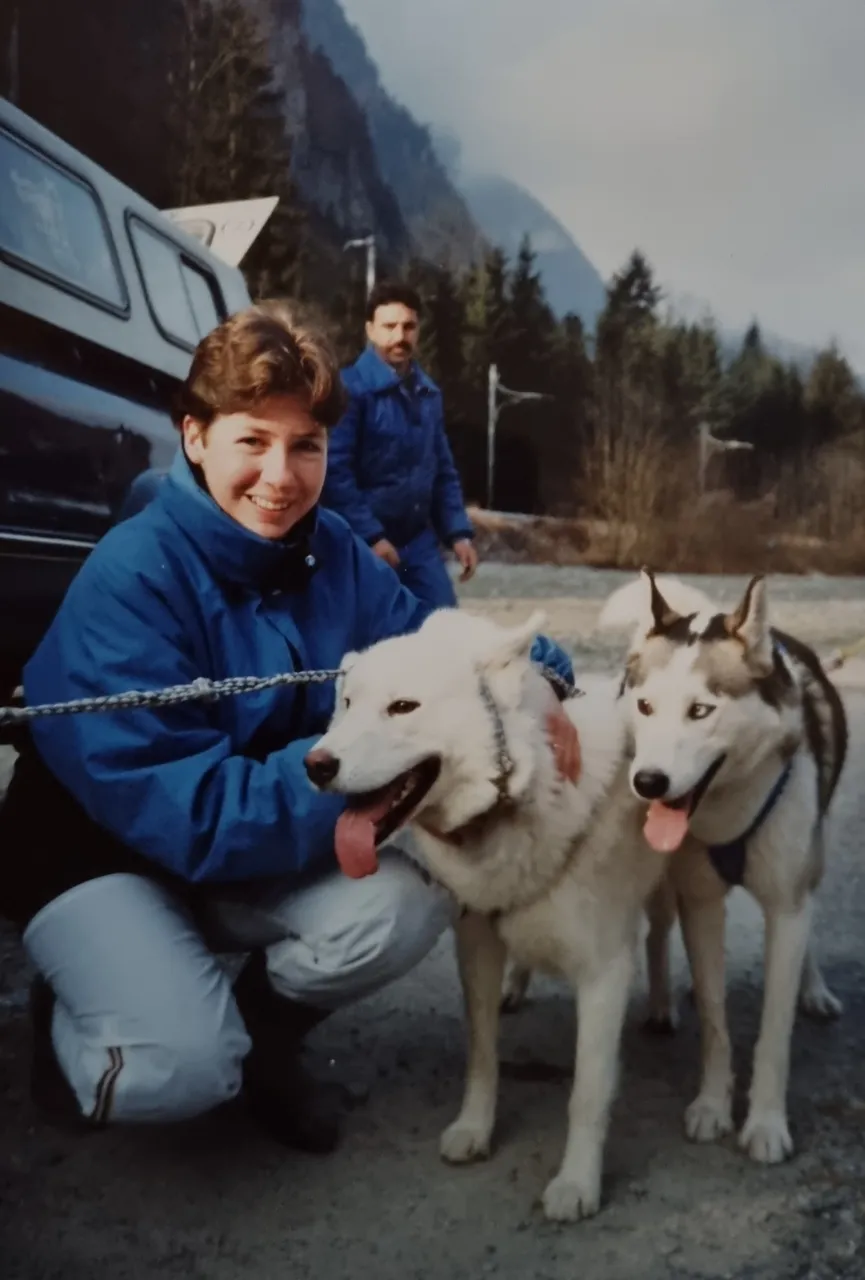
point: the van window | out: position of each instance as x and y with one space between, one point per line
200 292
182 297
51 223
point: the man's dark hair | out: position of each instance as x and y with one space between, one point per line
388 291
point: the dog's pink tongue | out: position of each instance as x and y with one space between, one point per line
665 828
354 837
355 844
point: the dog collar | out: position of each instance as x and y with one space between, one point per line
504 759
504 768
729 859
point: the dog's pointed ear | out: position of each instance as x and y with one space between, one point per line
660 616
515 642
749 623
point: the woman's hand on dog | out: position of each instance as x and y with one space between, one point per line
565 742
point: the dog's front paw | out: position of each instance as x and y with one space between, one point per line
766 1138
820 1004
708 1118
463 1141
569 1199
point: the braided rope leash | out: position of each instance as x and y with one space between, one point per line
200 690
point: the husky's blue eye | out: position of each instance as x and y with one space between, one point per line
699 710
402 707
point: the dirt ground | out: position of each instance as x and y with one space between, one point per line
215 1200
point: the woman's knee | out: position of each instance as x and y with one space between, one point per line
145 1026
376 930
189 1075
177 1071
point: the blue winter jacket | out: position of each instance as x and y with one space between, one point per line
390 470
212 791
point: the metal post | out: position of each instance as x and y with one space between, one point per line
703 459
370 265
494 389
492 416
710 444
367 242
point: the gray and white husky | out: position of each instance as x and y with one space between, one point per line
738 739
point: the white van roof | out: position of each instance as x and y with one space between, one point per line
82 251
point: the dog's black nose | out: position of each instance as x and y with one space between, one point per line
321 767
651 784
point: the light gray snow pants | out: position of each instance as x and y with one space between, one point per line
145 1025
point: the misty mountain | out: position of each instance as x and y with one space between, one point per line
448 215
439 223
506 212
334 162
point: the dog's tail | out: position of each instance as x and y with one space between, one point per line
630 606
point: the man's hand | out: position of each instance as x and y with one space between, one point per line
565 742
467 555
386 551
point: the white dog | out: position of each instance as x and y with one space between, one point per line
738 738
446 729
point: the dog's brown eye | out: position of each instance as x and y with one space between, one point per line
346 702
402 707
699 710
644 707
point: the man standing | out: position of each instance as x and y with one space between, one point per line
390 469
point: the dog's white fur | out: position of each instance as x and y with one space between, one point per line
784 857
628 607
558 877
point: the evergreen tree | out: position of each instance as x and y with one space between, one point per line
832 398
445 325
633 296
228 130
533 337
628 350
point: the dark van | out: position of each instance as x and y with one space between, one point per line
102 301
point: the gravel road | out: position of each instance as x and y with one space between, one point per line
214 1200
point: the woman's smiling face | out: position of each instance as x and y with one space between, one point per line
264 466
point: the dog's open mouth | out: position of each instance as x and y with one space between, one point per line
371 817
667 821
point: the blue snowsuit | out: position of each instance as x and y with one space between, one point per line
391 473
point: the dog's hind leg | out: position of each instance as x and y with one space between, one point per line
602 997
815 998
481 957
662 911
703 920
765 1134
517 981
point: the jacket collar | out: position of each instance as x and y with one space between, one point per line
233 553
378 375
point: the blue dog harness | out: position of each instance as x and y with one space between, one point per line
729 859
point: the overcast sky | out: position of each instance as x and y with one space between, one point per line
726 138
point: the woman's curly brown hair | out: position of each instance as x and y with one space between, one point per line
269 349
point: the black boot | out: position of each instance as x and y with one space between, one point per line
280 1093
50 1091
